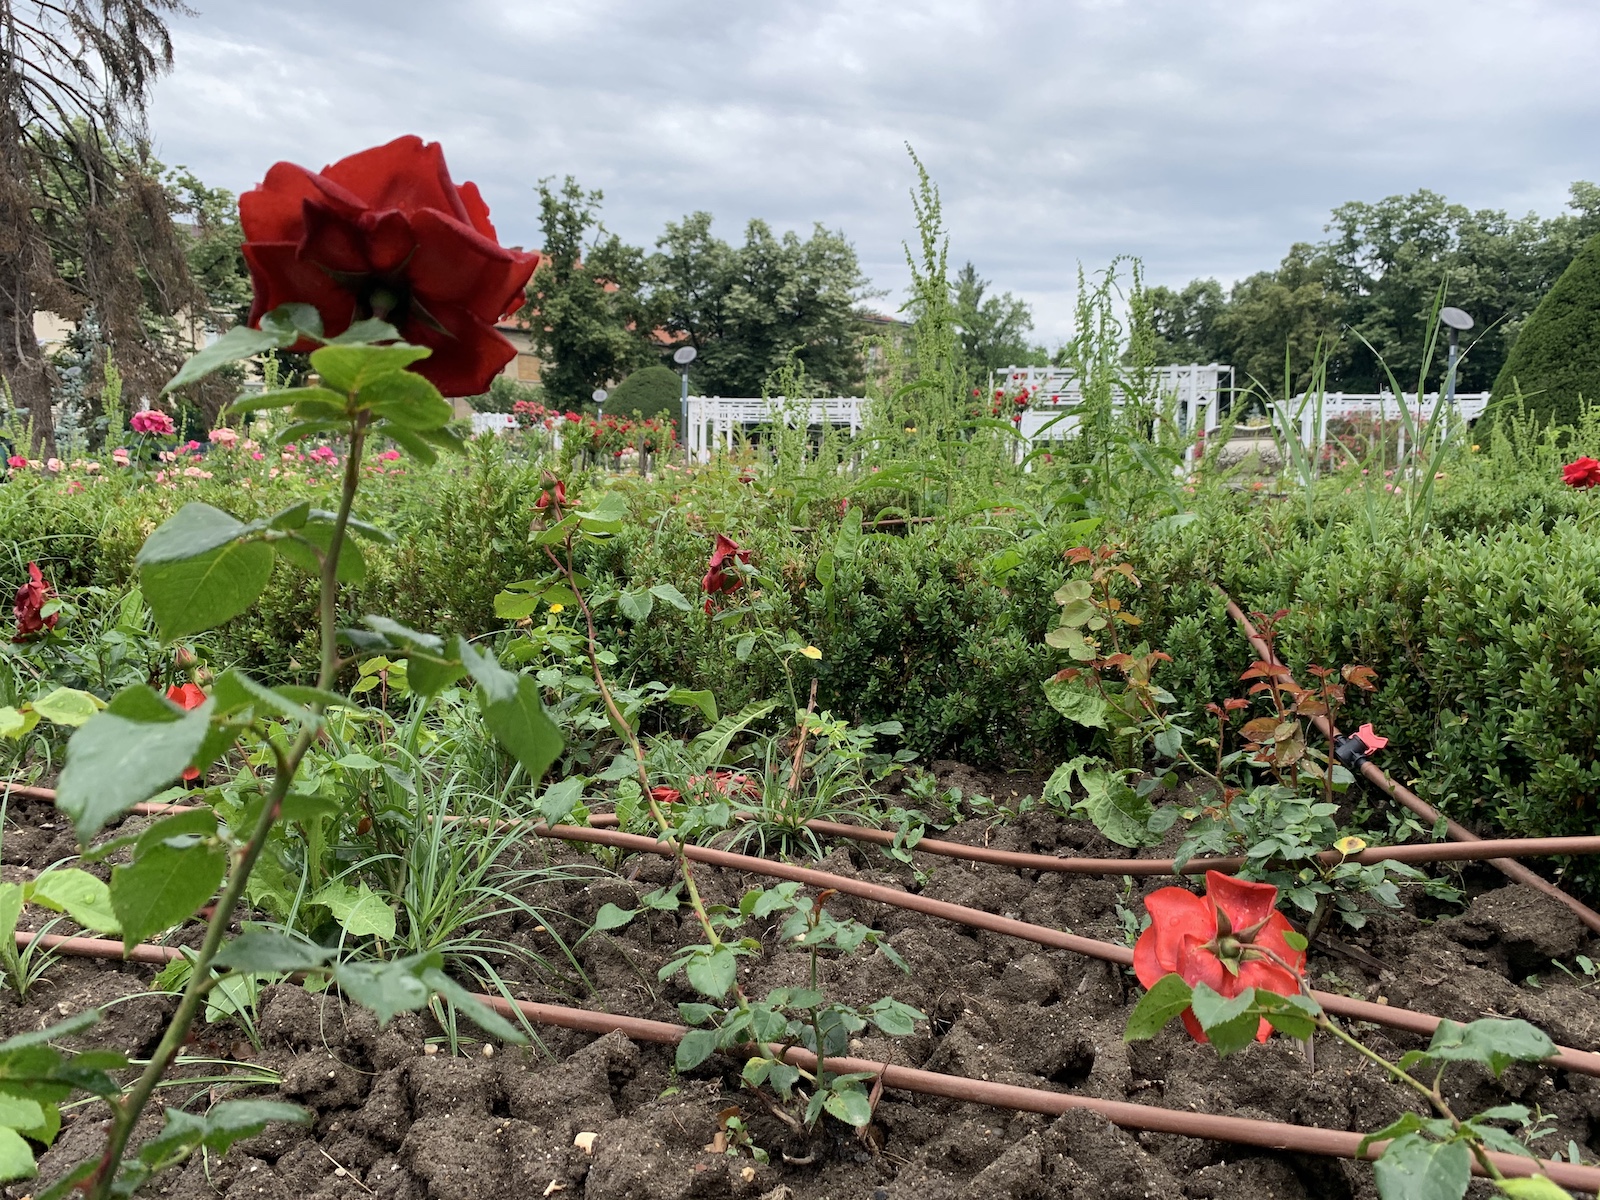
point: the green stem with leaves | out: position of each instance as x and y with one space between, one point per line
126 1113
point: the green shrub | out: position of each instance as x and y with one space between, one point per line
651 392
1556 358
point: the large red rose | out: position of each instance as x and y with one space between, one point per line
1229 939
385 233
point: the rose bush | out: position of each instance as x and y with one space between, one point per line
385 233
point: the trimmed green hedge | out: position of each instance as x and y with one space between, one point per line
1555 361
1485 637
650 391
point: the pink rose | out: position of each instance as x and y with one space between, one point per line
225 438
154 421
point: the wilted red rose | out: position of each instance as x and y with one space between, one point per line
29 606
1584 473
556 495
1230 939
385 233
662 794
716 581
187 696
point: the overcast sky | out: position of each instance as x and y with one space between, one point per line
1202 136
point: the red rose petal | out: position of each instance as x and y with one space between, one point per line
407 173
455 264
467 354
280 276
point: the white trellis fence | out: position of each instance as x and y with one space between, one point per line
1196 390
1312 413
711 420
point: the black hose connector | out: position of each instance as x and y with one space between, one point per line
1354 750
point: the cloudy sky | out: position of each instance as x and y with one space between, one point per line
1202 135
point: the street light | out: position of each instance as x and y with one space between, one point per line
683 356
599 397
1455 321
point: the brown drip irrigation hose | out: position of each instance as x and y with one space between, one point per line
1270 1135
1583 1062
1475 850
1377 776
1424 852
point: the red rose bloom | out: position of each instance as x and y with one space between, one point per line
385 233
1227 939
1584 473
716 581
662 794
187 696
29 606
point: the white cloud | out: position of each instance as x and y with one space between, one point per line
1202 135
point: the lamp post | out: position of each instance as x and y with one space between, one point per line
683 356
1455 321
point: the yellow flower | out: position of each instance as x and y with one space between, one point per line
555 608
811 652
1474 449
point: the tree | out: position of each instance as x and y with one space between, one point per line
1185 322
587 306
1373 280
992 330
84 225
1555 362
746 309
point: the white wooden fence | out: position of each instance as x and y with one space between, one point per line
711 420
1312 413
1196 390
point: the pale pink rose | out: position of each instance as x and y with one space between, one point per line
54 464
120 456
225 438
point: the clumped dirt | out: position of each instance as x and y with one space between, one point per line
399 1117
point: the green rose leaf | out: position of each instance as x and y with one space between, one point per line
513 711
16 1159
1164 1001
387 987
850 1103
195 529
126 754
68 706
238 343
1414 1168
407 399
78 894
636 605
268 952
697 1046
1231 1024
350 368
164 885
612 917
712 974
196 594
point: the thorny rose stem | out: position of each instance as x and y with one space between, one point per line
126 1113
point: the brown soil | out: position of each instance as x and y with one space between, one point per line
397 1122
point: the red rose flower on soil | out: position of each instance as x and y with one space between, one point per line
1221 939
187 696
29 606
385 233
1584 473
662 794
716 581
